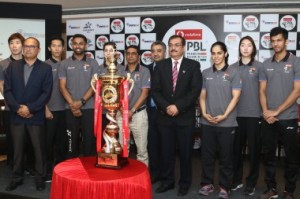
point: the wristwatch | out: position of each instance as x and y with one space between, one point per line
83 102
132 110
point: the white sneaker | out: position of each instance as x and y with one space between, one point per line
197 143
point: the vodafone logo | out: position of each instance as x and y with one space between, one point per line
250 23
146 58
190 34
117 25
101 40
148 24
132 40
265 41
288 22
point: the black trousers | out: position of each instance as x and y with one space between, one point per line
56 139
153 144
217 139
181 136
286 132
7 131
84 125
248 134
36 135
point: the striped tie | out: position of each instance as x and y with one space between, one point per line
175 75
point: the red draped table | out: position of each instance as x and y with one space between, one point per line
78 178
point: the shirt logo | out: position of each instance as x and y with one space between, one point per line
225 77
252 71
86 67
270 69
209 78
136 77
287 68
71 67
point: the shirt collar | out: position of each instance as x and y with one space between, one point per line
223 69
83 59
179 61
13 59
53 60
249 64
286 57
137 68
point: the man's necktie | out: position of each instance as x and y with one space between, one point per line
175 75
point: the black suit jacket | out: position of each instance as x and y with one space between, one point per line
150 67
188 87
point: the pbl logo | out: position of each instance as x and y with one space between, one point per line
148 24
120 57
101 40
89 55
250 23
132 40
146 58
288 22
266 41
117 25
190 34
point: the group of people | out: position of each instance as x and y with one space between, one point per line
247 102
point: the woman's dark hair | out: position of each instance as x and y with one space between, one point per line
223 47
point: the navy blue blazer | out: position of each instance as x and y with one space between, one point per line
35 94
188 87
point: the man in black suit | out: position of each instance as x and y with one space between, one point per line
176 84
158 53
27 89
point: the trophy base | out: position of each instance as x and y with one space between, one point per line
110 161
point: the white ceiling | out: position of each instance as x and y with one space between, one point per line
81 4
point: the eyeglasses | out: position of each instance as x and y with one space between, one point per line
30 47
131 53
174 45
109 51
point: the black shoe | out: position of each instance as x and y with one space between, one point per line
13 185
164 187
249 191
182 191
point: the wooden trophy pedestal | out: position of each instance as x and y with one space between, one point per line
111 160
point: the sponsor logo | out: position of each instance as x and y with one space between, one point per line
73 27
101 40
131 25
88 27
265 41
269 22
89 55
117 25
146 58
225 77
233 22
120 57
147 41
89 42
288 68
250 23
132 40
288 22
190 34
101 26
232 40
148 24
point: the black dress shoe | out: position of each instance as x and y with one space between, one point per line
182 191
13 185
164 187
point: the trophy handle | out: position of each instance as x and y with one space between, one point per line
131 82
93 81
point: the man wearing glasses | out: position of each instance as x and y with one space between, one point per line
138 118
176 84
27 89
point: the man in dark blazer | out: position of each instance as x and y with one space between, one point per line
158 53
27 89
176 85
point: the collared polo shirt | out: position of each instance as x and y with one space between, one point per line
249 104
280 77
78 75
141 78
219 85
57 101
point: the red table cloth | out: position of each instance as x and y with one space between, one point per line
78 178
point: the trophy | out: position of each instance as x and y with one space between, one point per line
111 93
